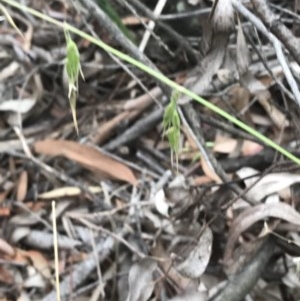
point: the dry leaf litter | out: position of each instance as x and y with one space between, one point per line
222 225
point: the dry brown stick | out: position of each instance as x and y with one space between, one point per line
118 36
82 271
140 127
191 120
48 170
278 28
227 127
176 36
242 283
277 47
214 47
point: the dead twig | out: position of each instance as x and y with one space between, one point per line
176 36
276 44
140 127
189 119
242 283
117 34
82 270
274 24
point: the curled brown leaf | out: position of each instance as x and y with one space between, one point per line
254 214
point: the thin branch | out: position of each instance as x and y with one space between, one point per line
147 27
157 11
175 35
276 44
277 28
139 128
119 37
188 14
191 121
124 66
241 284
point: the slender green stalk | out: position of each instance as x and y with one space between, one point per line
158 76
55 245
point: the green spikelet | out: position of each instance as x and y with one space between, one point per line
73 68
171 125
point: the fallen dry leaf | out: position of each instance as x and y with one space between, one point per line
197 260
279 119
40 263
34 279
106 129
6 248
167 266
5 211
160 202
206 166
22 186
131 20
18 105
228 145
42 240
191 296
142 102
23 296
28 37
3 195
200 180
209 171
254 214
268 184
6 276
140 278
261 120
66 191
250 148
86 156
132 107
9 71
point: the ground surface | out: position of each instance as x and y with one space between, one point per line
133 225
